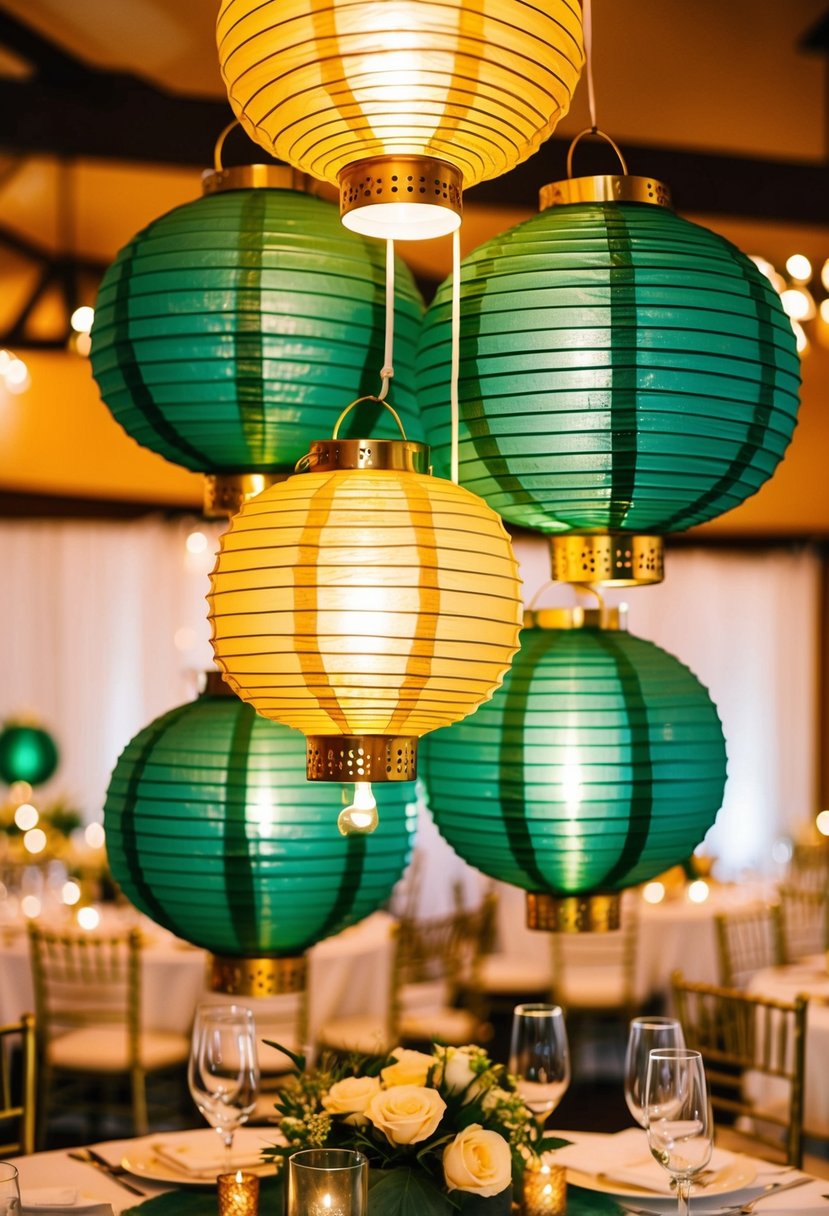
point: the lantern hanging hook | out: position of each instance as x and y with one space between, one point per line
307 461
220 143
599 135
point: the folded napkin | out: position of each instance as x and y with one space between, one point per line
626 1159
58 1199
200 1156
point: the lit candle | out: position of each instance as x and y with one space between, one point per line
327 1182
545 1191
238 1194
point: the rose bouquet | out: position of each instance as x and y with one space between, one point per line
441 1131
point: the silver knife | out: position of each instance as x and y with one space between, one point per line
90 1157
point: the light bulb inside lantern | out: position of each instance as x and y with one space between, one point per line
360 818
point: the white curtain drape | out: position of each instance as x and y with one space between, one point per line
102 628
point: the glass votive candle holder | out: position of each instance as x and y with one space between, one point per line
545 1191
238 1194
327 1182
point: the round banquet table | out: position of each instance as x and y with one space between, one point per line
350 973
674 935
807 977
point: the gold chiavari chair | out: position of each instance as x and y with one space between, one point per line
751 1045
804 921
748 939
88 1016
18 1086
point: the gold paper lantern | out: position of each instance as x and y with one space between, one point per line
401 102
365 603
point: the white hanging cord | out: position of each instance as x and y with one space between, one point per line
456 352
587 22
387 371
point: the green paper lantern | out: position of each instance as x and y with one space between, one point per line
229 331
598 764
27 753
622 369
214 833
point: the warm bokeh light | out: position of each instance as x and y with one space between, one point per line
30 906
34 840
26 816
781 851
20 791
70 893
82 318
16 375
653 892
824 274
94 835
88 917
196 542
801 337
698 891
798 304
824 311
822 823
799 267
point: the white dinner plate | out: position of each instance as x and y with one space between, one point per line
733 1175
144 1161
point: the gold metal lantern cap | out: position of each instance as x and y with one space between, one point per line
607 559
410 198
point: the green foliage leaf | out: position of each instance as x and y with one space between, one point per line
296 1060
405 1192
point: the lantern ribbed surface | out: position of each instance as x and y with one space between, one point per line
227 332
27 753
213 832
365 602
323 85
621 369
599 763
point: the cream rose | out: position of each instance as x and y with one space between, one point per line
351 1096
406 1114
477 1160
410 1068
458 1074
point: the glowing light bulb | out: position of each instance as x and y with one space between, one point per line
88 917
34 840
26 816
653 892
17 376
799 267
798 303
698 891
822 823
70 893
82 318
361 816
94 835
196 542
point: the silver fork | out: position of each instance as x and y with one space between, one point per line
739 1209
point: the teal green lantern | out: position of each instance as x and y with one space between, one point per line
214 833
623 371
27 753
228 332
599 763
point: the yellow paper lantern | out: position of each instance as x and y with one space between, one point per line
401 102
365 603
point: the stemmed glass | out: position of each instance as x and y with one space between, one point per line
9 1190
223 1072
646 1035
678 1113
540 1057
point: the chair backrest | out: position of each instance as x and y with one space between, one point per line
748 939
18 1085
597 970
86 979
804 921
740 1033
809 866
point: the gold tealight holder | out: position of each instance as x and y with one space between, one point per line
545 1191
238 1194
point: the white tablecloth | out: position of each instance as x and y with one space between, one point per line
675 935
808 977
348 974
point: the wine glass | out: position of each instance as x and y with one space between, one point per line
223 1072
646 1034
9 1190
678 1113
540 1057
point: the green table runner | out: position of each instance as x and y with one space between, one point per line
204 1203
